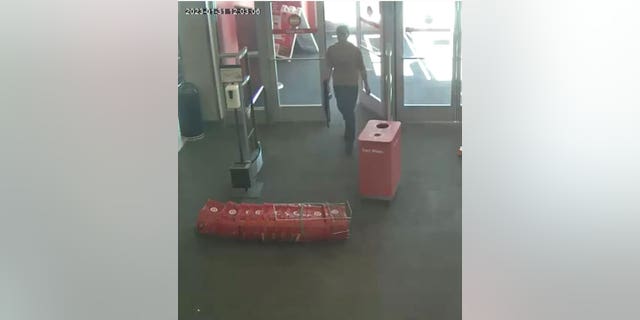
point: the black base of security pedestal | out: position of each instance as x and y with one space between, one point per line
254 192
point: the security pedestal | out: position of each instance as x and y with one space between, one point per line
239 100
254 192
243 177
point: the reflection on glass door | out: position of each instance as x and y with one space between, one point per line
369 25
363 19
297 52
340 13
364 22
427 52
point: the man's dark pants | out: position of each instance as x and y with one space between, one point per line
346 97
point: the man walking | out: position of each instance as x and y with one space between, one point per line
345 66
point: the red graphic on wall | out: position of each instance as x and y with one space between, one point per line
294 20
282 12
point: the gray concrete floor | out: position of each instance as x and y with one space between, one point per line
403 260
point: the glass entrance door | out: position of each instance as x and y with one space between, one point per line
365 22
298 52
409 50
429 60
371 36
298 49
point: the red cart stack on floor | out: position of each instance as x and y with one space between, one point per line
379 163
295 222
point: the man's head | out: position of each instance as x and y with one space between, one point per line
342 32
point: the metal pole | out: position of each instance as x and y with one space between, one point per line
389 83
322 50
253 119
243 130
214 50
388 25
456 94
358 26
455 77
398 62
267 61
235 112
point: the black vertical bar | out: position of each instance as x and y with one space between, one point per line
457 94
248 93
239 134
388 25
251 108
398 61
358 25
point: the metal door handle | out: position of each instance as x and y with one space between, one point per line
389 81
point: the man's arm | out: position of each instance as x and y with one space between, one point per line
363 73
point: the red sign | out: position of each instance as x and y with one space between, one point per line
282 12
294 20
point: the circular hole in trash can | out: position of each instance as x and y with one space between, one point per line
376 134
382 125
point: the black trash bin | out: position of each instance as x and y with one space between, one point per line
189 112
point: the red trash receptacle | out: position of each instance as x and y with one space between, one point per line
379 145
